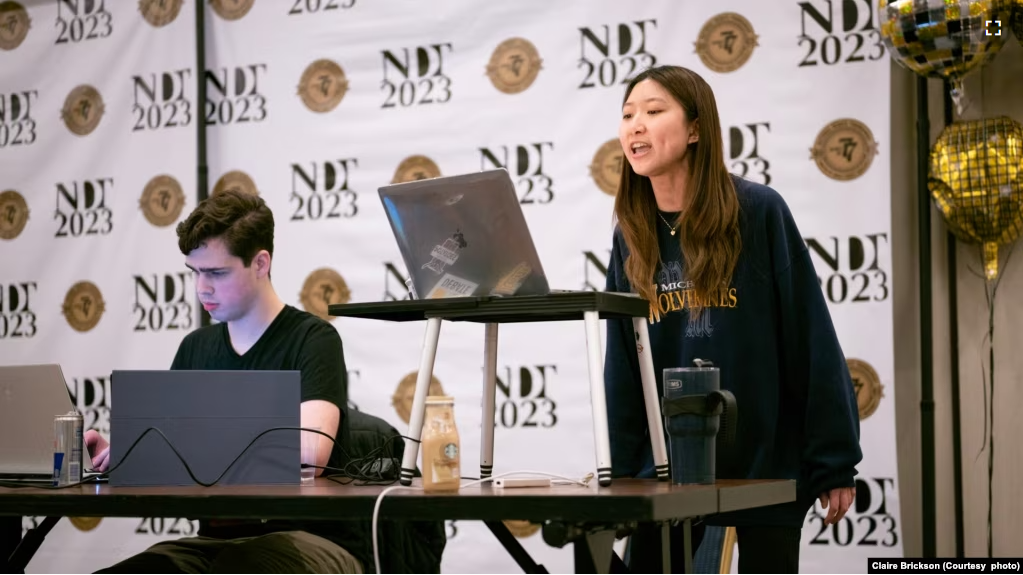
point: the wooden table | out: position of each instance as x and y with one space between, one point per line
593 513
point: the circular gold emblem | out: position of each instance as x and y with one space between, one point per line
867 385
514 65
726 42
13 214
85 523
606 167
83 306
844 149
162 201
83 110
403 396
322 86
322 288
231 9
160 12
415 168
521 529
236 180
14 25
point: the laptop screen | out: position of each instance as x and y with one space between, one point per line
464 236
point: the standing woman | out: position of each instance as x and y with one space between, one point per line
729 280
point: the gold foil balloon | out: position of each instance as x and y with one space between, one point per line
944 38
976 178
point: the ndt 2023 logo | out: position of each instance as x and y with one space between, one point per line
394 284
81 20
163 302
415 76
159 100
235 96
595 270
525 164
871 522
612 54
322 190
743 143
526 401
82 208
300 7
838 32
17 125
91 396
17 316
857 273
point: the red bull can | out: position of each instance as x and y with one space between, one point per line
67 448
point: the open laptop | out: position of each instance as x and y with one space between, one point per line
209 417
31 396
464 235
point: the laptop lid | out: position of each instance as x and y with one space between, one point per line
464 235
31 396
209 417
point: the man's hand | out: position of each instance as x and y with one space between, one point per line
99 450
837 502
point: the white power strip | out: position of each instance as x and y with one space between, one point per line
511 482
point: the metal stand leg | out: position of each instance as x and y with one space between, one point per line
650 397
415 426
666 547
489 393
514 548
592 552
10 539
598 399
687 538
30 543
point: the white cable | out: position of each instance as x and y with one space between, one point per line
376 514
584 482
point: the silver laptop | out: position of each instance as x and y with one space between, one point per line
31 396
463 236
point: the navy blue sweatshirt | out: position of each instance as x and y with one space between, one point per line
772 337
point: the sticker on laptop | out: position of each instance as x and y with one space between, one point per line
513 280
452 286
446 253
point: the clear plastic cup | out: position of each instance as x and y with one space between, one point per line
310 443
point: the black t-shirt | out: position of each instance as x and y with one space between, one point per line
294 340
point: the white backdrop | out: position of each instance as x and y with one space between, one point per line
314 104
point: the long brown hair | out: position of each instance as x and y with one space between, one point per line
709 222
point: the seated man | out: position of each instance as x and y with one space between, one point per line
228 244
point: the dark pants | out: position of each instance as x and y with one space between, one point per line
761 549
283 552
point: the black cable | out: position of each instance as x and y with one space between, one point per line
347 472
